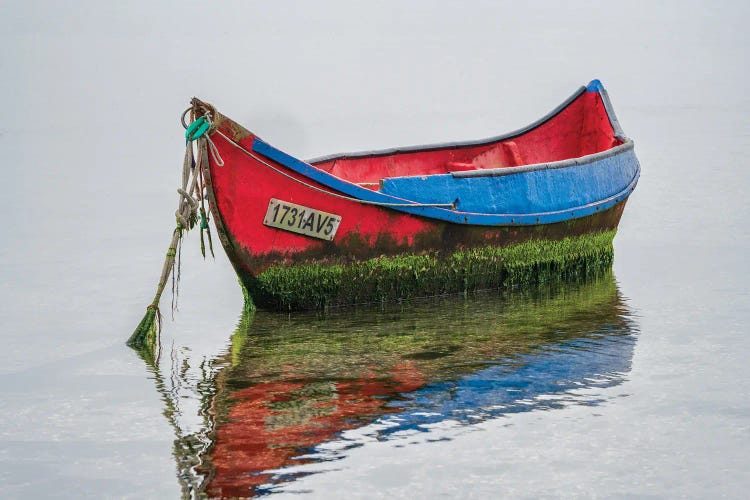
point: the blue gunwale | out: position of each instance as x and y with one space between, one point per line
456 216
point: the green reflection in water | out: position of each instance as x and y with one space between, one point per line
287 383
442 337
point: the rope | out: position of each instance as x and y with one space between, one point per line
186 213
214 152
192 200
335 195
186 217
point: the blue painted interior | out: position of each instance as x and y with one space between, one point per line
524 198
534 192
540 380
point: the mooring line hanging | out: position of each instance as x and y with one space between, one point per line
191 211
186 216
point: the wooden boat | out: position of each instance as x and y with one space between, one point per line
538 203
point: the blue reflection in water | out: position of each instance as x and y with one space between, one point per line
522 383
292 391
550 376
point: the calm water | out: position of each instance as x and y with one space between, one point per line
291 392
634 384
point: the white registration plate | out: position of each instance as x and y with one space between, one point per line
301 220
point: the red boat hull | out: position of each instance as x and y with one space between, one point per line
240 190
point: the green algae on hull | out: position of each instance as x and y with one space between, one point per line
394 278
338 341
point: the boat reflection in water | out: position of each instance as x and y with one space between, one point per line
288 384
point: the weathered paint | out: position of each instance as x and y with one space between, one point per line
544 195
534 197
579 146
575 175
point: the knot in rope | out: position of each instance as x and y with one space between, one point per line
182 222
188 198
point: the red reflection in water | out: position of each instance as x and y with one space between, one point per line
270 423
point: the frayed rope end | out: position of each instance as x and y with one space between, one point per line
147 331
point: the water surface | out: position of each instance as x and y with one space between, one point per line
288 388
637 387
